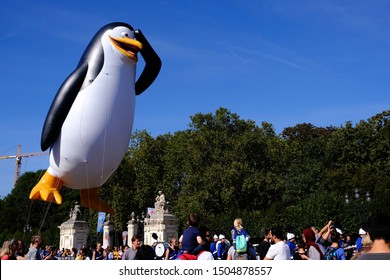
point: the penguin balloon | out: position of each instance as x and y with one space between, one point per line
89 123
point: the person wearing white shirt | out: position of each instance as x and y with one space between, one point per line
279 250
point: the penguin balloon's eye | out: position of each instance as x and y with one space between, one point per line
124 34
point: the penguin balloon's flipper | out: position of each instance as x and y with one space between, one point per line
61 105
152 64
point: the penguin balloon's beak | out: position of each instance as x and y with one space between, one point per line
129 47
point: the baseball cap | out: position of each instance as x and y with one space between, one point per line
290 236
362 231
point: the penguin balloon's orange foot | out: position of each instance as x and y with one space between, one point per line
89 198
47 189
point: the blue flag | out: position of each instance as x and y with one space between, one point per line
100 223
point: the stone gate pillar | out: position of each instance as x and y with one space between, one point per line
107 229
161 222
132 228
74 232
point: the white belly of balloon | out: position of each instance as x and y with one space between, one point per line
95 135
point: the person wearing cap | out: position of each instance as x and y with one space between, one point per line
359 240
221 247
342 242
291 244
366 245
213 246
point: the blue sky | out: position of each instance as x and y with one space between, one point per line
285 62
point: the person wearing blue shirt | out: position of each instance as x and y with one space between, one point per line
291 244
221 247
213 246
359 244
191 237
334 251
238 229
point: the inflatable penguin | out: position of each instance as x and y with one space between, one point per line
89 123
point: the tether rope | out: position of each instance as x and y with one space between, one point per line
47 206
44 214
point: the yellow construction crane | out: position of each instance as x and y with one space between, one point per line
18 163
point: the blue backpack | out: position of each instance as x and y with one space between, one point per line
241 243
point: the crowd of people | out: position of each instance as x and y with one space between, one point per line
200 243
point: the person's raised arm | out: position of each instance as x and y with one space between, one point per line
325 229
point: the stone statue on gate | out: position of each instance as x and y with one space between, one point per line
107 222
160 204
75 213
